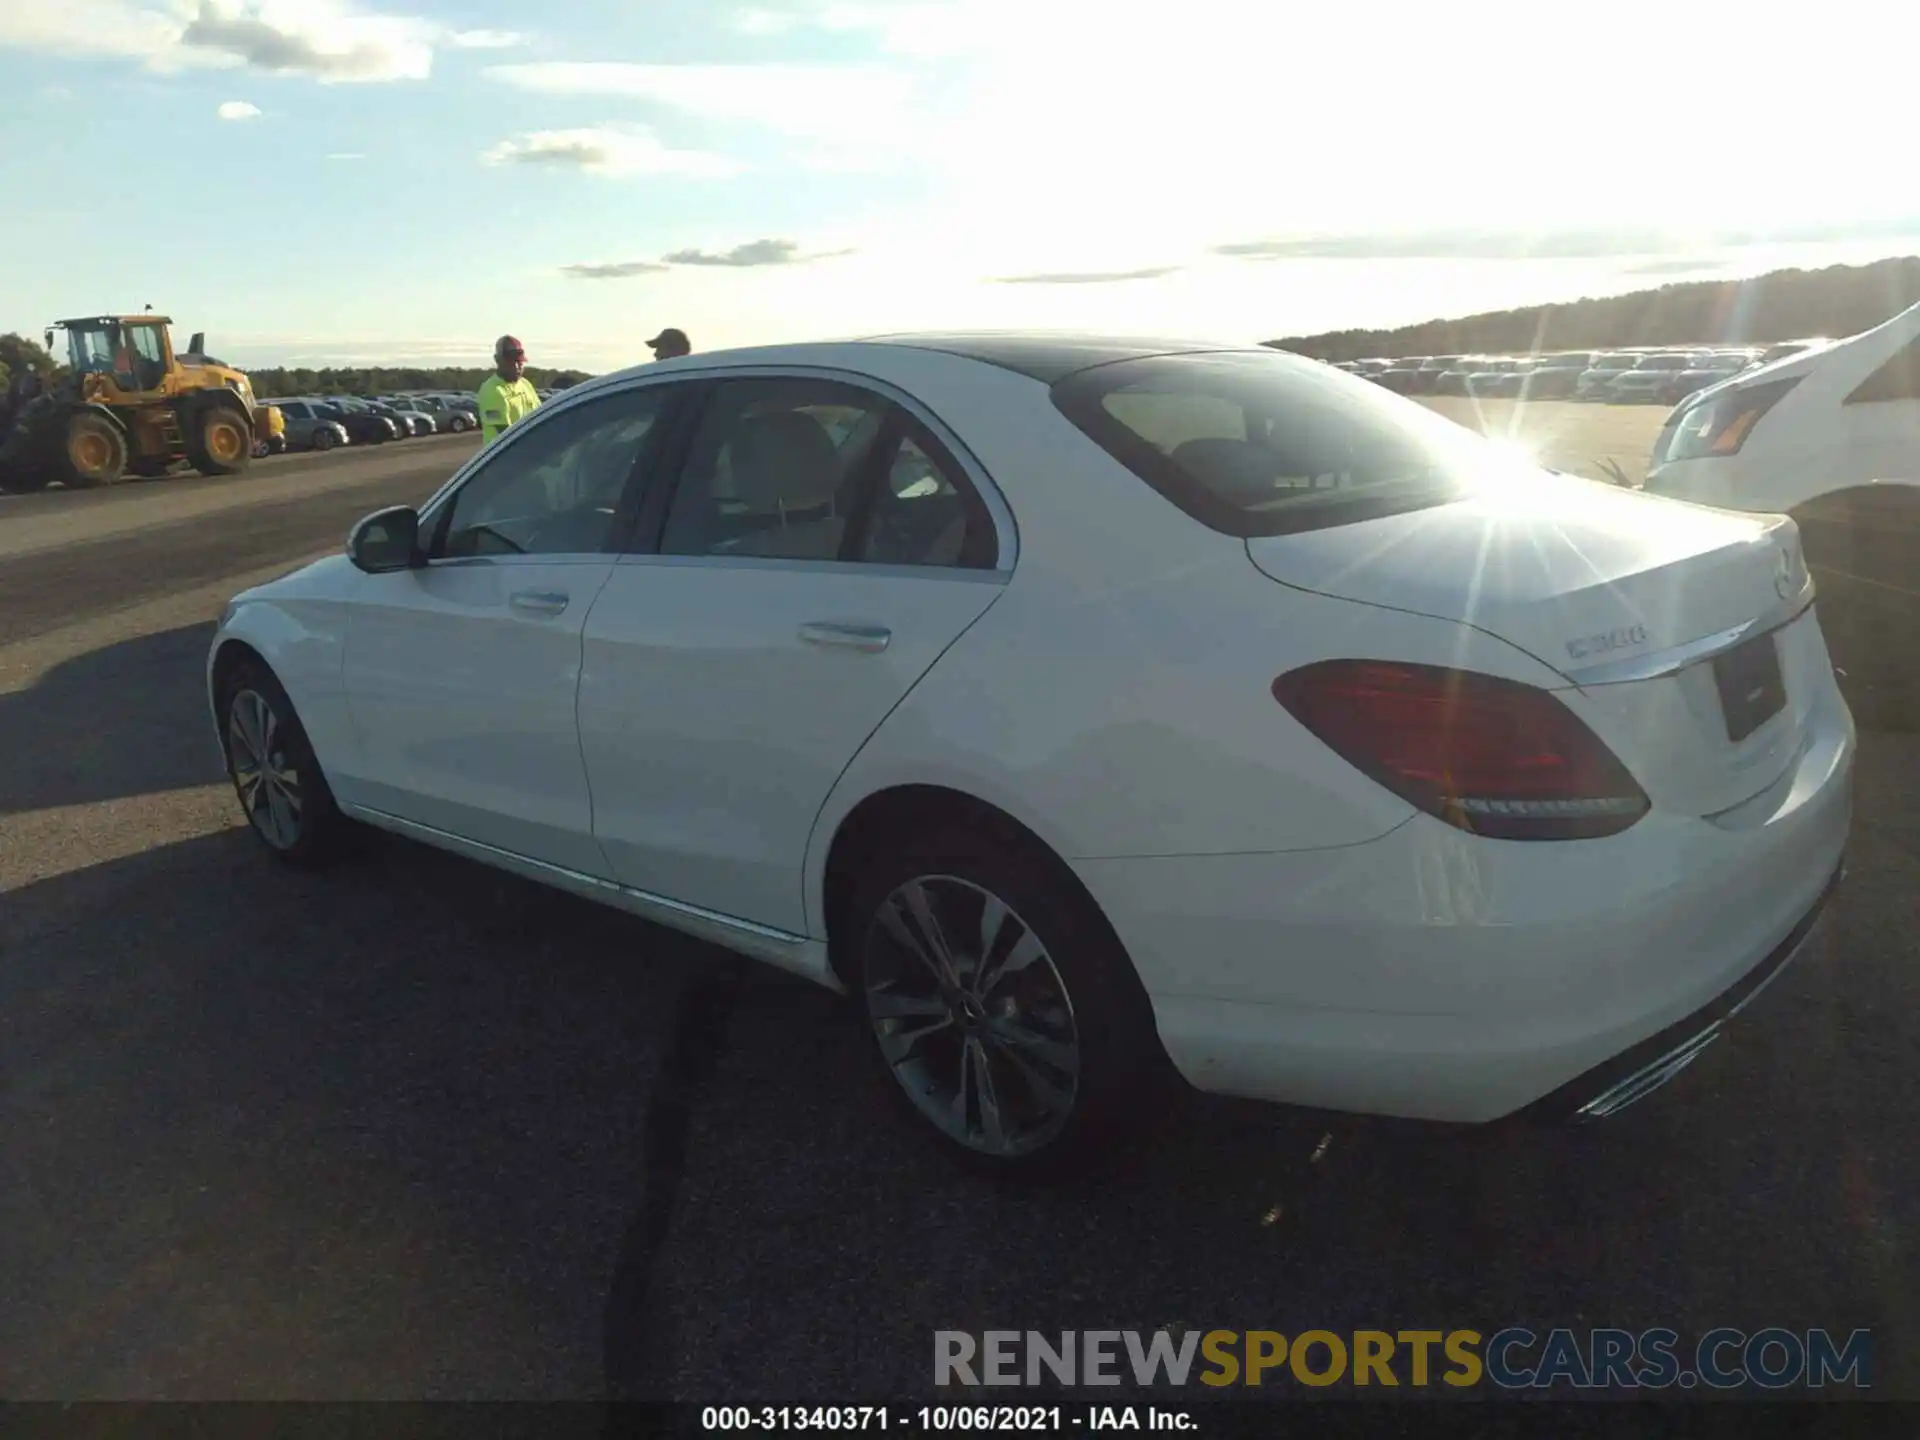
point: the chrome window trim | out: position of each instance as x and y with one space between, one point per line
1006 528
815 567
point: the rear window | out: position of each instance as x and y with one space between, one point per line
1261 443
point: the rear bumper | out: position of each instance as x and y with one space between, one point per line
1432 975
1637 1072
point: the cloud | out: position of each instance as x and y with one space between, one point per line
1091 277
607 150
486 39
238 110
1551 244
852 105
325 40
310 37
753 253
616 270
87 27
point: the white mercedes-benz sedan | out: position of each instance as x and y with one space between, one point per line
1084 708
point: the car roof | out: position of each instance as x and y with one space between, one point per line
1048 358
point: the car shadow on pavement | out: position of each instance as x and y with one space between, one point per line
368 1133
411 1128
65 737
820 1237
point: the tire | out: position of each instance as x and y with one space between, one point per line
325 440
287 803
458 424
1066 1037
219 440
95 452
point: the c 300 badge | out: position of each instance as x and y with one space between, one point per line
1625 638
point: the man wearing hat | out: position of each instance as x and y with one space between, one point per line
506 395
670 345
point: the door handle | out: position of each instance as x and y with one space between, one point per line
868 639
538 602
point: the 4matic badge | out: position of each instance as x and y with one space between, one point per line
1608 641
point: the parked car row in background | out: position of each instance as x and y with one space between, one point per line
1640 375
324 422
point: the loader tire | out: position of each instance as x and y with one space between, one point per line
95 452
219 441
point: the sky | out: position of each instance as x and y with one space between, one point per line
316 182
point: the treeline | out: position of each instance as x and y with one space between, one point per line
1784 305
271 383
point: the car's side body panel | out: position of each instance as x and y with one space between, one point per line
298 625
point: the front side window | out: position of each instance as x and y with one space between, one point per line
557 488
774 469
92 350
1262 443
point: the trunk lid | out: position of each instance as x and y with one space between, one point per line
1597 582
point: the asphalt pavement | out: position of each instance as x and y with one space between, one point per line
412 1129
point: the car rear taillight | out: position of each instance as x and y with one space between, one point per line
1490 756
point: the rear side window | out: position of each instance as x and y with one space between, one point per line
1897 379
1263 443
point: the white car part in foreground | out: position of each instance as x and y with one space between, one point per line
1831 437
1076 703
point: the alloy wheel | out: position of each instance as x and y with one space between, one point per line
267 780
972 1015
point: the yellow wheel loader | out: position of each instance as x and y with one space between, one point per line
129 405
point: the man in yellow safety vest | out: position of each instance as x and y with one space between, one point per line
506 395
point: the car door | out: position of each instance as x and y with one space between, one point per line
461 674
820 549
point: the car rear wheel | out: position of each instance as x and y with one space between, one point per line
282 791
999 1002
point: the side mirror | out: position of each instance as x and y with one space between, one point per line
387 540
49 346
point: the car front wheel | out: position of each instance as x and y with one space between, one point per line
999 1002
281 789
